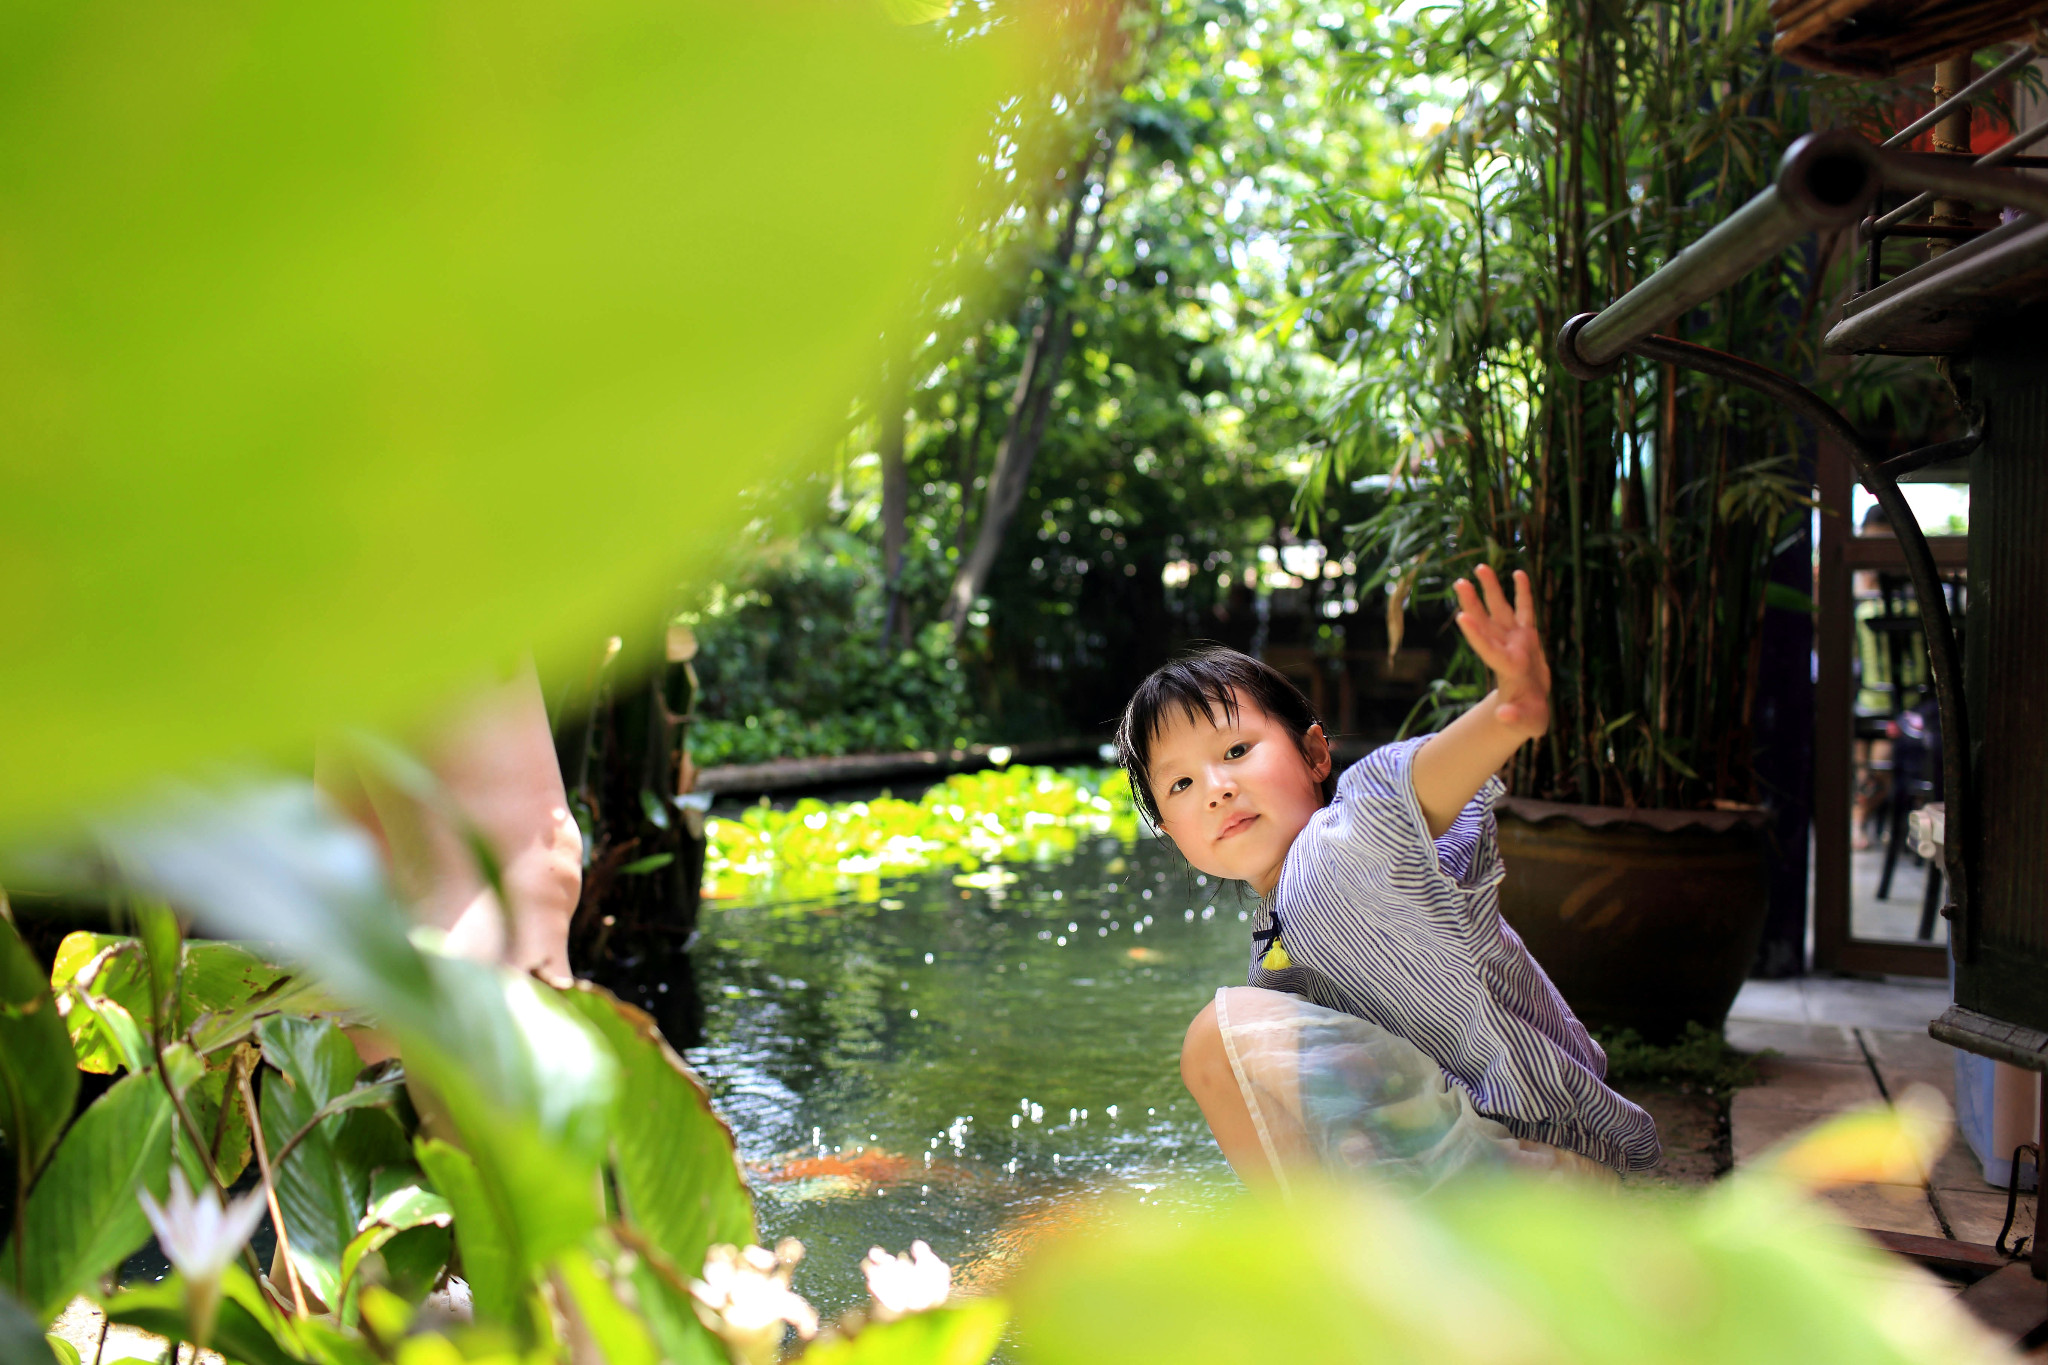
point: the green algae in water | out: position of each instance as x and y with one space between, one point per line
967 1060
973 823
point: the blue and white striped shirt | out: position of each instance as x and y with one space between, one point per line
1384 923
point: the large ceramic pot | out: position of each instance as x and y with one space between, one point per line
1645 919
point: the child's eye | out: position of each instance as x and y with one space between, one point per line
1236 751
1180 784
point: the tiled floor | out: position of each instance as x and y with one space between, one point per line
1842 1043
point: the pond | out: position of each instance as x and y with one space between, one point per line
974 1059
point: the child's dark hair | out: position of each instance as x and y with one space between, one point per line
1201 682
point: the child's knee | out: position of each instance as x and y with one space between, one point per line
1204 1066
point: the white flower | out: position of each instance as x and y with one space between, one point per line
745 1298
906 1284
200 1238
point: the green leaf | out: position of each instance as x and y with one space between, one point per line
966 1334
483 1237
243 1335
105 985
323 1181
64 1351
414 1260
81 1219
163 950
38 1076
399 1202
217 1113
21 1336
653 862
356 277
1788 598
678 1177
224 988
665 1304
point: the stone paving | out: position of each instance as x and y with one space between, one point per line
1844 1043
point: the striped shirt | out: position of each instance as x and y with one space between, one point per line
1384 923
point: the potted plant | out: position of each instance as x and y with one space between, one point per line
1587 145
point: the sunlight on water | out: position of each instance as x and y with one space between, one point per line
969 1060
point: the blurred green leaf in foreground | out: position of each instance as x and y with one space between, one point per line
345 351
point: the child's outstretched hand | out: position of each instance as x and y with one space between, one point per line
1505 639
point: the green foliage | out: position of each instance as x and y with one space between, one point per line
415 339
248 1329
792 664
322 1160
1700 1058
972 821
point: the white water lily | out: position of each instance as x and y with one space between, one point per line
906 1284
201 1237
745 1298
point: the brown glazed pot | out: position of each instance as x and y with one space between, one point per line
1645 919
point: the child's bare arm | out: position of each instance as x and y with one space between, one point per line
1454 764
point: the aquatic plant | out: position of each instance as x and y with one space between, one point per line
973 822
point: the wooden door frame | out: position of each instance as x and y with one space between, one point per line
1842 554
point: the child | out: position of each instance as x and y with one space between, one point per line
1393 1019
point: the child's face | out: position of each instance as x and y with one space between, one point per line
1233 797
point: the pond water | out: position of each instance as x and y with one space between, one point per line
973 1060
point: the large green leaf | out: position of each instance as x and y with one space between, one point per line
82 1218
323 1181
351 349
675 1168
38 1078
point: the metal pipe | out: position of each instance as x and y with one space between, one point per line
1944 657
1915 173
1823 180
2023 57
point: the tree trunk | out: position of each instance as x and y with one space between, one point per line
895 487
1044 357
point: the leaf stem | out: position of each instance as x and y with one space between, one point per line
284 1244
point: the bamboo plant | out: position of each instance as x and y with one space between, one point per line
1588 141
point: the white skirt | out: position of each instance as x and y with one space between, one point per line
1329 1091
